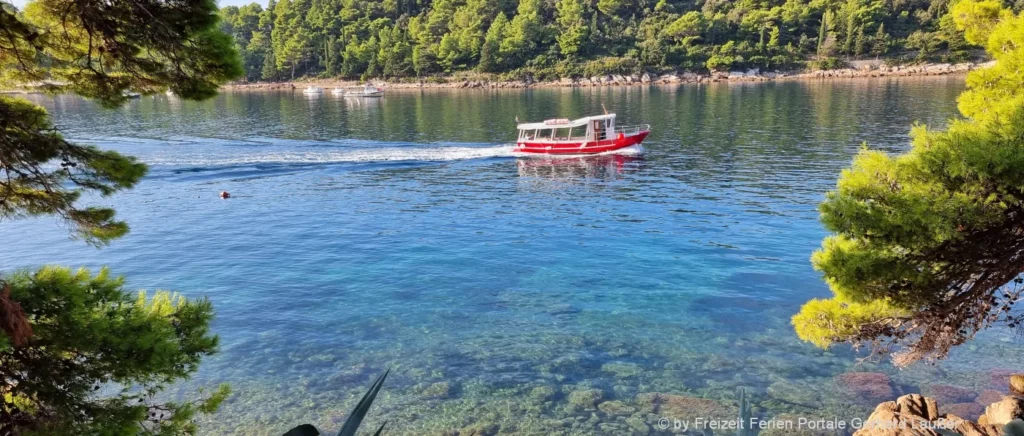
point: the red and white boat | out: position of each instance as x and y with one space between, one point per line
590 135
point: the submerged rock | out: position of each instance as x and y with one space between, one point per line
616 408
682 407
946 394
868 387
989 396
479 429
586 398
1000 378
437 390
971 411
793 393
968 410
638 425
353 374
542 393
622 369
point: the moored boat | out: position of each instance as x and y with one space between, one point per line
591 135
366 91
313 90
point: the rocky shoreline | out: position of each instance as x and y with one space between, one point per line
945 408
859 69
918 415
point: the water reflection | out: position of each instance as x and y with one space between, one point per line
604 167
359 103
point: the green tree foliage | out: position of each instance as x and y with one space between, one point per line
880 42
572 24
525 33
446 36
30 186
491 58
67 334
101 50
87 334
59 46
927 245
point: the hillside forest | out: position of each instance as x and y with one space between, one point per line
363 39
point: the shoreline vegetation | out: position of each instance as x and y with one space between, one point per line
520 43
860 70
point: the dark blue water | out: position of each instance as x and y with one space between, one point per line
401 233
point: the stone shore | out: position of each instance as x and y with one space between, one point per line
863 69
949 409
916 415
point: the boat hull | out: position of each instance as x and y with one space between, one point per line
577 148
377 94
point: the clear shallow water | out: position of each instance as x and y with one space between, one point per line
402 233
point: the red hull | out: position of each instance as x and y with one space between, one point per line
605 146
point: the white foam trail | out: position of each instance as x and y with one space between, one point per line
388 154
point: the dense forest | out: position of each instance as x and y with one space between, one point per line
570 38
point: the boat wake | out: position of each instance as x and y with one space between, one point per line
220 158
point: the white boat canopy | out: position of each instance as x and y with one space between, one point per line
562 123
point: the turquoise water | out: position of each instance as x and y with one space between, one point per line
401 233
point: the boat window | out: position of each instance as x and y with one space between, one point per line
563 134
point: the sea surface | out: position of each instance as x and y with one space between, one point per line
508 295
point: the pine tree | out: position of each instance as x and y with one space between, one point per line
824 33
469 26
774 38
524 33
490 54
880 43
573 25
860 43
927 247
67 333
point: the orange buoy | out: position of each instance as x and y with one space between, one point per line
225 194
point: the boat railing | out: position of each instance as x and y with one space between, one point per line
632 130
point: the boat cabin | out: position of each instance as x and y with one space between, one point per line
596 128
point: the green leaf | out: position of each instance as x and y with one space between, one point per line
359 412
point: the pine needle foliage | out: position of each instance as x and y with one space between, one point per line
928 246
89 334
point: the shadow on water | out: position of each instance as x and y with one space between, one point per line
604 167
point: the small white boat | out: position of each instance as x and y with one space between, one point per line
367 91
313 90
131 94
338 91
